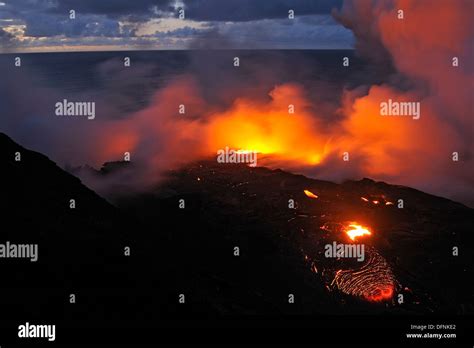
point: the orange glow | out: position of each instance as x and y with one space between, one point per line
269 129
281 139
381 294
355 231
292 141
400 149
118 144
310 194
364 199
388 203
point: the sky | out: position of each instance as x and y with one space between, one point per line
46 26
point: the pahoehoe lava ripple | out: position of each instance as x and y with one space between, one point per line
373 281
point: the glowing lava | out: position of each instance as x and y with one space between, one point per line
355 231
268 128
374 281
310 194
380 294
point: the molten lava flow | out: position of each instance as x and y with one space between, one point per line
355 231
377 199
310 194
374 281
380 294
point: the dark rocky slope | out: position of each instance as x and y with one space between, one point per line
190 251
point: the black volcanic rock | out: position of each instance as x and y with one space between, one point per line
79 248
235 205
191 251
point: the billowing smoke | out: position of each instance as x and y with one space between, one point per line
430 44
291 117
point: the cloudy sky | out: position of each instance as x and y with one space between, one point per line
45 25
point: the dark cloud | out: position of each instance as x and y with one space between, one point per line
107 7
90 25
247 10
46 18
201 10
238 23
5 37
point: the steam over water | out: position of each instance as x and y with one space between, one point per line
245 107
